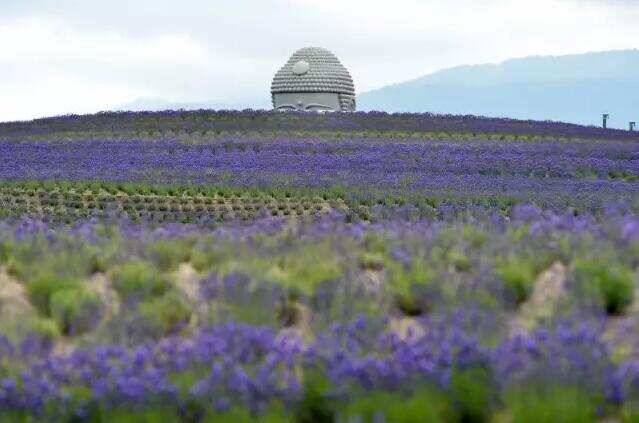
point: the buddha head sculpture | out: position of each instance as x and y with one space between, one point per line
313 79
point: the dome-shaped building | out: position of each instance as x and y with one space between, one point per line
313 79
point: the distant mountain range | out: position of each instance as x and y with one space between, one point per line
574 88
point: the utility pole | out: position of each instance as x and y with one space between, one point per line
605 120
632 126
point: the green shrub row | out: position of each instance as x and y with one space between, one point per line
71 200
466 401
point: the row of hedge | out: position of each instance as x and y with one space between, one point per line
193 203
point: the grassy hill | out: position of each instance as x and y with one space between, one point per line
209 123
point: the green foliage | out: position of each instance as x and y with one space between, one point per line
518 275
20 263
630 414
375 251
316 407
612 283
73 261
166 314
75 310
44 328
305 267
376 243
242 415
254 301
167 254
472 394
154 414
426 405
519 233
459 259
98 263
202 260
371 261
138 281
6 248
544 404
16 417
31 258
100 258
474 236
413 287
41 289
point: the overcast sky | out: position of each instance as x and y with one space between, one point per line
63 56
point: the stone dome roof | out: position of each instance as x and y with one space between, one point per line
315 70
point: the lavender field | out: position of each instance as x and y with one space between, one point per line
282 267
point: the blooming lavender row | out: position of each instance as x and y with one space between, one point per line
203 121
149 355
541 172
250 366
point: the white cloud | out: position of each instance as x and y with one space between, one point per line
49 40
59 93
64 55
48 68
